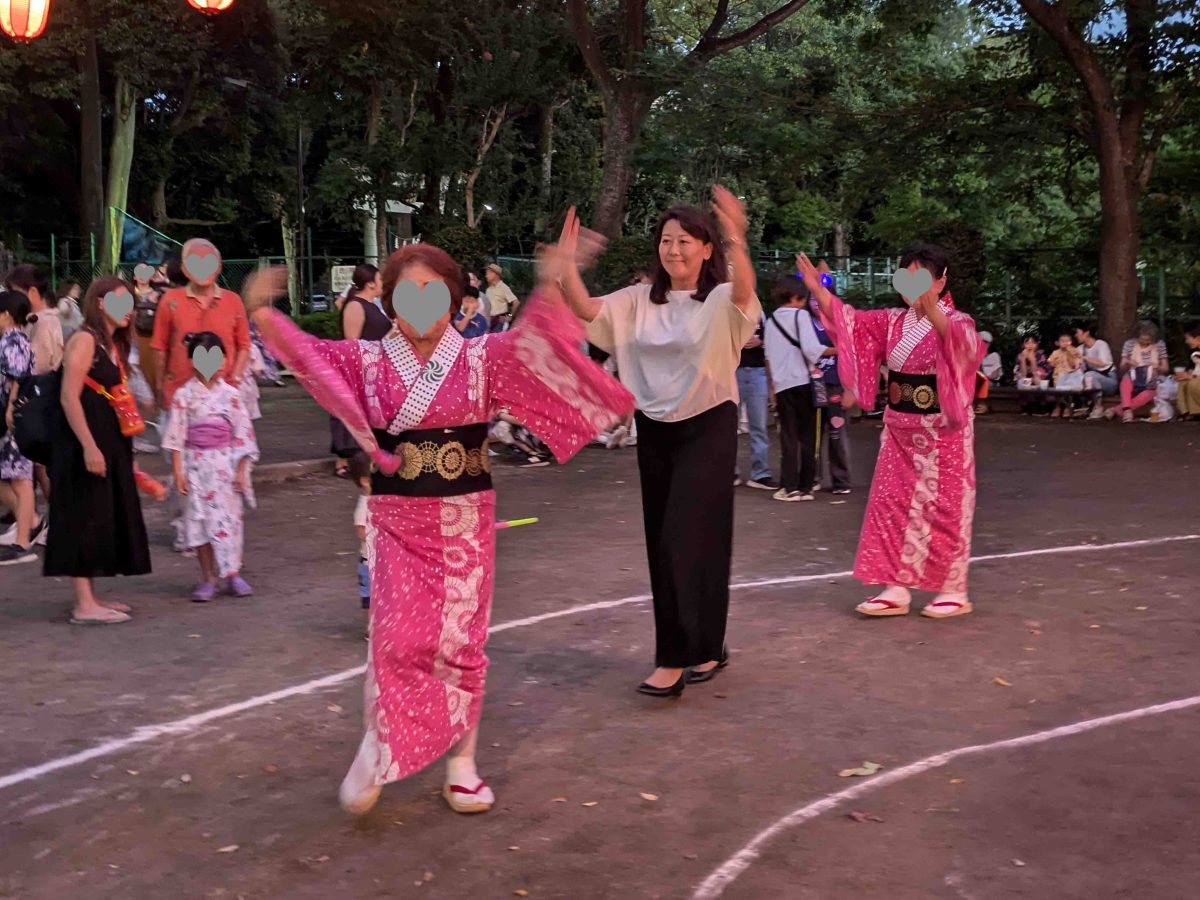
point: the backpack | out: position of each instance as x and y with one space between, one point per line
37 415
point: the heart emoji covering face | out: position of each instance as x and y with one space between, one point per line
201 262
207 361
143 272
421 307
911 285
117 304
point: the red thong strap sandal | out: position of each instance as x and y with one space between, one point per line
890 607
952 608
468 801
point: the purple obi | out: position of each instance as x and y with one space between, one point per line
214 434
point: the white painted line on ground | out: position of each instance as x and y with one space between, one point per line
148 733
714 885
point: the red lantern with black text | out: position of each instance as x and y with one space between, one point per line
24 20
211 7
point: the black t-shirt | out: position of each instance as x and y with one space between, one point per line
755 358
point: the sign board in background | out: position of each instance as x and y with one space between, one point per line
340 278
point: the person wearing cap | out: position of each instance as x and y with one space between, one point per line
989 374
502 302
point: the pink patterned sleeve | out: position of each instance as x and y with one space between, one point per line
332 372
860 336
960 351
539 373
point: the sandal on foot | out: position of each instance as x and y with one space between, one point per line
886 607
947 609
467 801
111 617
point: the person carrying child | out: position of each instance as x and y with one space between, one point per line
212 445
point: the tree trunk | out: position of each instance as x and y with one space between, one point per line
546 151
840 249
120 162
371 237
381 227
158 204
1118 287
91 154
492 121
291 258
624 114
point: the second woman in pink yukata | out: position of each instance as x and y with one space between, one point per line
916 533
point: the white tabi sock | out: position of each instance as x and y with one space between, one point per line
895 594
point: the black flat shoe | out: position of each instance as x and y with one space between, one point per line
694 677
674 690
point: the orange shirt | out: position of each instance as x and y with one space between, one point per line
181 313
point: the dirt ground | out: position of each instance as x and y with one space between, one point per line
607 794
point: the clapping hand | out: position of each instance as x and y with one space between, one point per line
731 215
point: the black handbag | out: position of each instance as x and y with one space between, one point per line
38 418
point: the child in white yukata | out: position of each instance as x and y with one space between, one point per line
213 445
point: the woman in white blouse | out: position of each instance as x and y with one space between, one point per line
677 343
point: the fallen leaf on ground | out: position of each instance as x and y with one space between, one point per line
1017 862
516 703
863 817
592 803
228 849
193 635
429 876
957 780
721 696
1000 681
334 708
1034 631
270 768
1093 626
867 768
521 892
690 856
649 796
1141 608
186 779
559 800
513 848
322 859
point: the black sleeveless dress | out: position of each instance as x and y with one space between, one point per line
376 325
96 525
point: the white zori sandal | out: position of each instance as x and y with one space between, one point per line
893 600
947 606
469 800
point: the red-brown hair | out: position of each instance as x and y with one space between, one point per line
427 255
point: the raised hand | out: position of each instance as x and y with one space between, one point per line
263 287
731 215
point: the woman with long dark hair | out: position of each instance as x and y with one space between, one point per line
916 534
362 319
678 342
96 526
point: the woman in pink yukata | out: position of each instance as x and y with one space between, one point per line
419 402
916 534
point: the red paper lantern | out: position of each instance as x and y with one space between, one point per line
23 20
211 7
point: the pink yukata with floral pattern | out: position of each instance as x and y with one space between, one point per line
917 529
432 559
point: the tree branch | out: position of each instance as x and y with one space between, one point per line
1053 18
589 47
711 45
1160 129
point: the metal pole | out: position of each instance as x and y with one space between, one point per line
871 277
54 263
92 252
301 301
1162 301
309 263
1008 299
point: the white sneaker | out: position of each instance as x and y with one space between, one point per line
1097 412
9 537
790 496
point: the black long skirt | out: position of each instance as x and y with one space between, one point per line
96 525
687 504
